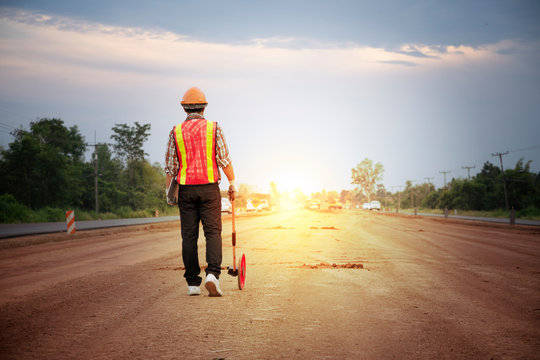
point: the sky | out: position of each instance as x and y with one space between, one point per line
304 90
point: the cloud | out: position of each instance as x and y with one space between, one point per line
420 52
399 62
90 49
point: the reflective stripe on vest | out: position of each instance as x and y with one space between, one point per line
196 149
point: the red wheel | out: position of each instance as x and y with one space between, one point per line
242 272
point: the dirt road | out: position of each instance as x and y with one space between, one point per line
401 287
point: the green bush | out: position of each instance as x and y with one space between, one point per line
81 215
500 213
170 211
11 211
531 212
49 214
123 212
108 216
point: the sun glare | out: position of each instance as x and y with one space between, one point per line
293 182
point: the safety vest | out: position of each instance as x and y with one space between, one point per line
196 148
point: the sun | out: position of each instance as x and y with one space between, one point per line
291 182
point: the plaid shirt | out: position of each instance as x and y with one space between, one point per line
222 151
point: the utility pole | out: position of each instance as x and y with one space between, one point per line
429 182
96 174
412 194
413 204
96 179
444 172
468 170
96 170
399 196
500 155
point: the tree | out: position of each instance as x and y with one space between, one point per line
485 190
522 191
299 196
381 191
465 195
130 153
110 175
367 175
344 196
244 191
431 201
43 166
321 196
276 197
491 178
130 141
332 196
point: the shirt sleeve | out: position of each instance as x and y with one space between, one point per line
171 158
222 151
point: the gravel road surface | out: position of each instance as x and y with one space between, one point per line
320 285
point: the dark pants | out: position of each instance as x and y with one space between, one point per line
200 203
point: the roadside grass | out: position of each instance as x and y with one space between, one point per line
49 214
525 214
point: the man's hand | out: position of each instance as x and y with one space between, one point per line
232 190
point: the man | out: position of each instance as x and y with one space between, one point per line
195 150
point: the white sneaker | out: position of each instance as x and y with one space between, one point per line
212 285
194 290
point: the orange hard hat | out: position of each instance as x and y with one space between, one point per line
194 96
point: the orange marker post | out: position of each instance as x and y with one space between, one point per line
70 221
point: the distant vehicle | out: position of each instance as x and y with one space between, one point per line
249 205
335 205
261 201
313 204
375 205
366 206
226 205
263 205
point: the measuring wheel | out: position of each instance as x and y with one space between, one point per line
242 272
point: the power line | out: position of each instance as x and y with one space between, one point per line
482 161
16 114
526 148
7 126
